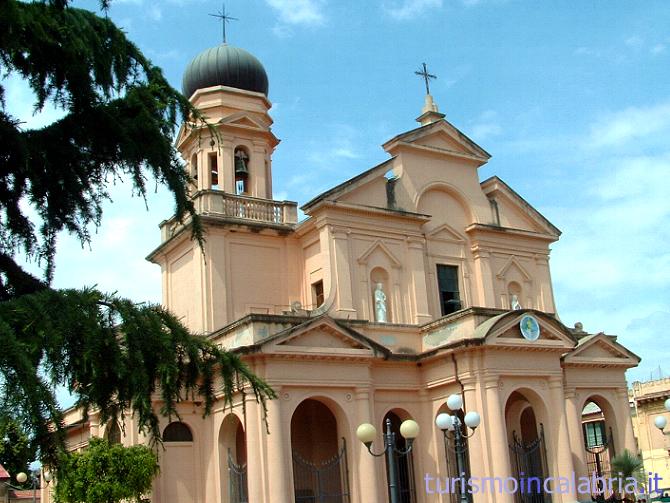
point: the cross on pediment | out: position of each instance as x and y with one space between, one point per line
426 76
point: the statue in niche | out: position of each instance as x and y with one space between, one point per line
380 304
516 305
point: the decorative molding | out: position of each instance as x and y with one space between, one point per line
379 245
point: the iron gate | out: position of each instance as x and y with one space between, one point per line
529 462
598 459
237 481
323 482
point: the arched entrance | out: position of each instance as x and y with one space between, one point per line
598 440
233 461
528 452
404 464
320 471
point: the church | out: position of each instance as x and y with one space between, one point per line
402 287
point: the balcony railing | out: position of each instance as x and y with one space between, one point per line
245 208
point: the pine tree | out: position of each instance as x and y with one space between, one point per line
119 122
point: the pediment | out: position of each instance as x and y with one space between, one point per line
439 137
508 333
324 337
513 263
381 248
601 350
447 233
515 209
243 120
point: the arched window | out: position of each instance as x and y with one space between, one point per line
177 432
241 171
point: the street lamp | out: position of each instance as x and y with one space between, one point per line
21 478
409 430
451 429
660 421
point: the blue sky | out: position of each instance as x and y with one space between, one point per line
571 98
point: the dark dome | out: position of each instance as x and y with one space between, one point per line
225 65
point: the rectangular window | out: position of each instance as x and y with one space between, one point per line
447 281
594 433
317 293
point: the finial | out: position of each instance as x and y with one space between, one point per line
429 113
224 19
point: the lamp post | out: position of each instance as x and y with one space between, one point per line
21 478
451 429
409 430
660 421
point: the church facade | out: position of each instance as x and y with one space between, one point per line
409 283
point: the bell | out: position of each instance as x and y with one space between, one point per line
241 166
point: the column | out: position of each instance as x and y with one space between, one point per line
484 277
623 419
418 286
277 462
253 431
367 475
574 418
226 166
558 419
345 301
494 422
257 174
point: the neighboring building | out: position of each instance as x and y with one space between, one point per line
647 400
395 292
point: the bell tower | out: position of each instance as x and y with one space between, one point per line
230 161
229 87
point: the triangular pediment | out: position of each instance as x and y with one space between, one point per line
243 120
516 209
440 137
513 263
551 335
382 248
323 336
447 233
600 350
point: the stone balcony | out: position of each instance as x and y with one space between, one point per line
243 210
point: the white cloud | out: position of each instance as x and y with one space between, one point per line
635 42
409 9
299 12
658 49
633 123
486 126
155 13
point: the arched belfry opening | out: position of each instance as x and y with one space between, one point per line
241 171
320 470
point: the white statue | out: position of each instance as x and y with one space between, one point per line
516 305
380 304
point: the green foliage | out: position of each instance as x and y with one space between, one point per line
105 473
16 449
120 118
626 467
